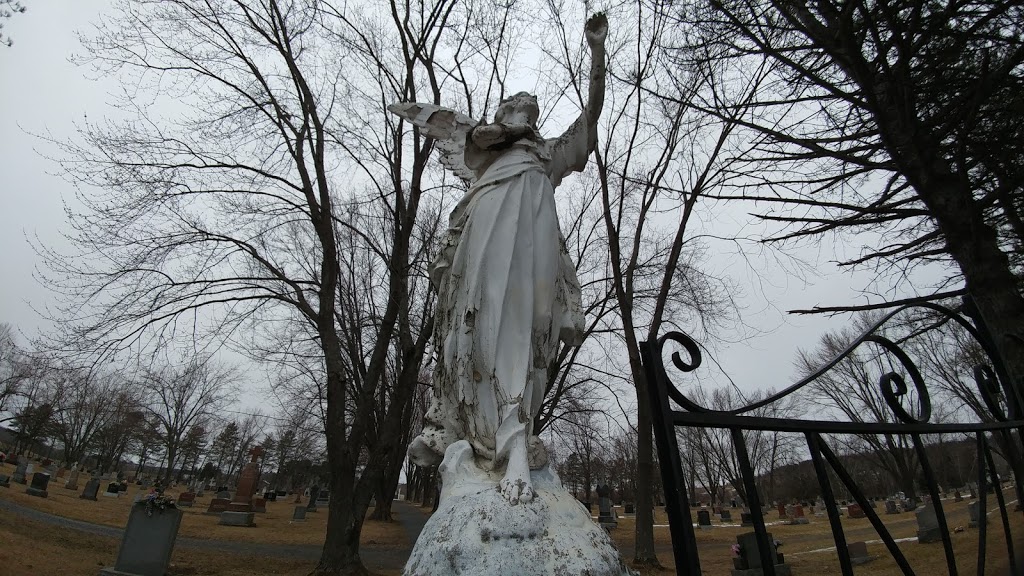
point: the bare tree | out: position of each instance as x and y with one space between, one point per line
181 397
852 388
8 8
241 210
15 369
82 407
882 117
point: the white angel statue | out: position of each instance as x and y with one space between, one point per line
507 290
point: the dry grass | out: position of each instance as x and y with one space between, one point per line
34 548
806 547
272 527
809 548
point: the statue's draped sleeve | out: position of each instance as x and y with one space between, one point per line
569 152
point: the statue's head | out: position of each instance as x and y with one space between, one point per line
523 103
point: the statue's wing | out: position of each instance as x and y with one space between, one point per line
448 127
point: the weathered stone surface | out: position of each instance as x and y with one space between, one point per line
476 531
236 518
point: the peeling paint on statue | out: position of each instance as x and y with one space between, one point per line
507 293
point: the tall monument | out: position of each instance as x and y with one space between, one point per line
507 294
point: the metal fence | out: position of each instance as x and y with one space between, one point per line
999 420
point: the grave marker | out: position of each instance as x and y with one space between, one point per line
299 514
927 525
147 543
749 561
859 553
92 488
40 480
704 519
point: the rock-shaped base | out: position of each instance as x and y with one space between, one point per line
476 531
36 492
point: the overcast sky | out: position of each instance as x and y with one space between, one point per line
42 92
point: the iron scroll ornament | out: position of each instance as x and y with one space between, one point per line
893 385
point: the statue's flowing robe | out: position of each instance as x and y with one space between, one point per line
507 293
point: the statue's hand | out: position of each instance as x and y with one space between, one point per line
597 29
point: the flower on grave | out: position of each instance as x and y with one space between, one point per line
736 550
154 502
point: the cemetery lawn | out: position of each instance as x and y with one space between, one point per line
272 527
35 548
810 549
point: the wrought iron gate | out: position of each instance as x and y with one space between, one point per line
1001 420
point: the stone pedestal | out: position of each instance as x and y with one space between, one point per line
476 531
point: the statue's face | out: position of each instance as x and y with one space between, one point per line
518 109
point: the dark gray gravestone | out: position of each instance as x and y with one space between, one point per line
704 519
92 488
147 544
726 515
629 508
299 515
891 508
974 510
324 499
859 553
21 473
746 519
749 562
40 480
927 525
5 480
223 495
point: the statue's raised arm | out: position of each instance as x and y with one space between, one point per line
570 151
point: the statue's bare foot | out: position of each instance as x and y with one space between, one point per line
516 487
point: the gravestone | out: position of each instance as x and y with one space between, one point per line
314 493
782 511
113 490
186 499
147 543
92 488
217 506
223 495
40 480
259 505
855 511
61 471
746 519
726 515
299 514
5 480
798 515
606 518
704 519
859 553
749 561
629 508
324 499
240 511
733 503
927 525
974 511
270 496
72 483
21 473
958 497
891 508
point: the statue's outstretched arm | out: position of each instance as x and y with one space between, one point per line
596 32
